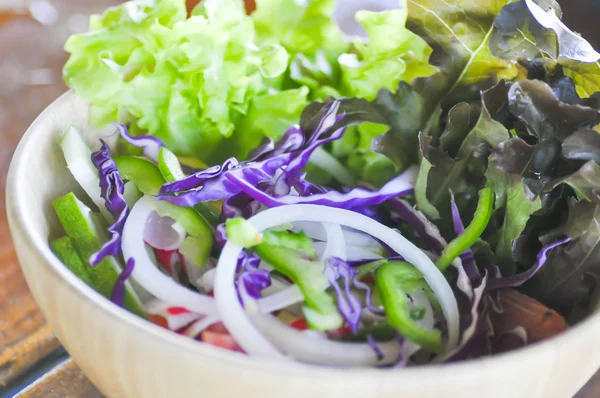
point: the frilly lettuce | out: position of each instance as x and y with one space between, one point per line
393 54
186 81
300 26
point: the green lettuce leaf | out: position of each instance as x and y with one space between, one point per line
186 81
393 54
300 26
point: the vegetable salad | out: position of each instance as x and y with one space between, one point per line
288 185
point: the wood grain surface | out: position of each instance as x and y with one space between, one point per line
30 79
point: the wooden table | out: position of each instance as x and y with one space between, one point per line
30 79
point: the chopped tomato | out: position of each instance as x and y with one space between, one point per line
177 311
218 335
220 340
165 259
299 323
158 320
218 328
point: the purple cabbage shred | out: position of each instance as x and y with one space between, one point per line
251 280
348 304
150 145
373 344
111 189
118 292
519 279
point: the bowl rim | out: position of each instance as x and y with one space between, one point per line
20 221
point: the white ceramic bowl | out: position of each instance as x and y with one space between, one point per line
125 356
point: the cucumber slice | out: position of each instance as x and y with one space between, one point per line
65 251
143 173
79 161
169 165
87 237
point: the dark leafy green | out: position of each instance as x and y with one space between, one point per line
569 280
460 30
584 144
458 163
545 116
517 35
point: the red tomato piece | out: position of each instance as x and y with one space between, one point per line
165 258
158 320
299 323
177 311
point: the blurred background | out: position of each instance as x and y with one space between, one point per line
32 34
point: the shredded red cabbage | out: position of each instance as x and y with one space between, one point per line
519 279
373 344
359 197
111 188
348 304
251 280
118 292
424 228
150 145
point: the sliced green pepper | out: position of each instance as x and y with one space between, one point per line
319 307
391 280
464 241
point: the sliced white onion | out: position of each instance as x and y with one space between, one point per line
309 348
352 237
328 163
174 322
463 282
163 233
148 275
196 274
336 244
280 300
353 253
199 326
251 339
208 280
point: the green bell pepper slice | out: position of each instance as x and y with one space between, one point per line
392 281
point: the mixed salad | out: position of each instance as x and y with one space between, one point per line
421 187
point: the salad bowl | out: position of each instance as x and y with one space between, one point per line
124 356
